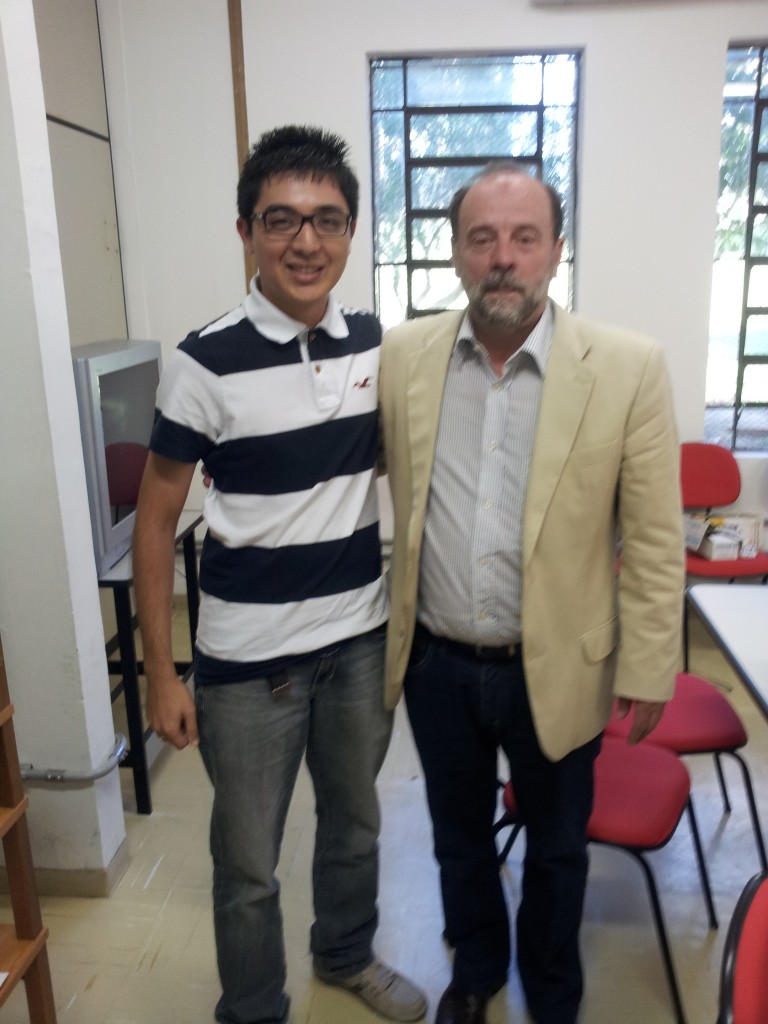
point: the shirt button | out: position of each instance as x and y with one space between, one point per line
487 505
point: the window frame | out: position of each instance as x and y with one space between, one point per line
736 439
413 162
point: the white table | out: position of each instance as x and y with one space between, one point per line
736 615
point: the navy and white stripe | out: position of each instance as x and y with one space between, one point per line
286 421
471 560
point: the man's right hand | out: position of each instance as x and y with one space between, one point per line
171 711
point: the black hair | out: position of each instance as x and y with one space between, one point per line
505 167
301 151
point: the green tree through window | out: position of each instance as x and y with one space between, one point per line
737 368
435 121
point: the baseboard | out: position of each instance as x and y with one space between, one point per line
59 882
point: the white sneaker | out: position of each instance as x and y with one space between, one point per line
383 989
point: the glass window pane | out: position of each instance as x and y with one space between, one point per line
432 188
391 294
756 339
758 286
388 187
483 135
755 385
474 81
718 425
760 235
762 144
741 71
436 288
559 150
732 205
430 239
761 184
560 79
561 286
752 434
387 85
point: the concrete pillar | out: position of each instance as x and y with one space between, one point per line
50 618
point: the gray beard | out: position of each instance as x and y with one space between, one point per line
501 315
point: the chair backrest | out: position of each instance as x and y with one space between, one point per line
744 976
709 475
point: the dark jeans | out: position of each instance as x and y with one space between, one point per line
461 711
252 744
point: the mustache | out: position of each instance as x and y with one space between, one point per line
500 280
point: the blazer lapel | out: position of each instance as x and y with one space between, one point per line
567 386
427 369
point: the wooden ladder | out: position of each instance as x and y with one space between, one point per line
23 952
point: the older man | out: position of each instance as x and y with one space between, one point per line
522 442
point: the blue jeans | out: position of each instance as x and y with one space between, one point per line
252 742
461 711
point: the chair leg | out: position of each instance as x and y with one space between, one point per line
661 933
703 873
516 827
721 780
752 808
686 637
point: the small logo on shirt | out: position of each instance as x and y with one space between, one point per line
366 382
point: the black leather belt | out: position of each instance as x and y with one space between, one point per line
509 652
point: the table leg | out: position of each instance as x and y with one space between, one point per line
137 755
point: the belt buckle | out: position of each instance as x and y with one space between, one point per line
487 653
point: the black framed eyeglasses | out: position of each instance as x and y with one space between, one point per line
328 221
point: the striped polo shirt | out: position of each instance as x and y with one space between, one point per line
285 419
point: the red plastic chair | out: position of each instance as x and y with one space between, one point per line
641 793
744 974
701 720
710 479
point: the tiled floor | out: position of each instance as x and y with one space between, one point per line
146 956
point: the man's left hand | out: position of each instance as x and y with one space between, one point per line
647 715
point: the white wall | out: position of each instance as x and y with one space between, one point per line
648 156
648 148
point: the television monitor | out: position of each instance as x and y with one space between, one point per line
116 385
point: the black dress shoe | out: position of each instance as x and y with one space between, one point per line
460 1008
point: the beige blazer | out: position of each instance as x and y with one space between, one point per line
605 464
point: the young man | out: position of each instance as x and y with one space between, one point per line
279 400
521 442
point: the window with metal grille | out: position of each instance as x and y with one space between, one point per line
436 121
737 367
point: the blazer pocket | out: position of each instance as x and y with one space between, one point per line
598 643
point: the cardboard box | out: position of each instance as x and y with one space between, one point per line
719 546
695 527
747 527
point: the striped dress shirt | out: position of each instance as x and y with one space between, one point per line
471 562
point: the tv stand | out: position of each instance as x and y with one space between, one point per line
119 579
